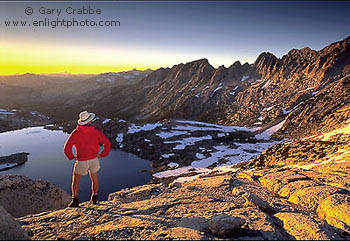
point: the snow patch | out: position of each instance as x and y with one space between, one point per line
190 141
268 133
106 121
168 155
208 127
200 156
244 78
173 165
119 139
180 171
166 135
147 127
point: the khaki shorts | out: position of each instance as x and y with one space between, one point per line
83 167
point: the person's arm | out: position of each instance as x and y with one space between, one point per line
69 145
106 144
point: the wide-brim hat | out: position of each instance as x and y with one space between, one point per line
85 117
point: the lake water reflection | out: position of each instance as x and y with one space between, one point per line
47 162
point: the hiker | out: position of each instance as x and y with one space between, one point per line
86 139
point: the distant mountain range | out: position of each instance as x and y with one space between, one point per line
306 88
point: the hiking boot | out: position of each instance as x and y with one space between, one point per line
74 203
93 199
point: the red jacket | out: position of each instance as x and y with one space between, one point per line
86 139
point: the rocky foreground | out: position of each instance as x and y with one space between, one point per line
20 195
295 190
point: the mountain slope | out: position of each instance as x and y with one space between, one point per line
253 95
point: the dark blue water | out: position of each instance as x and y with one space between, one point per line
47 162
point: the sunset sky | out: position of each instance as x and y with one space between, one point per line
162 34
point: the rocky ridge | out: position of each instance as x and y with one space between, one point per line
287 83
281 194
250 95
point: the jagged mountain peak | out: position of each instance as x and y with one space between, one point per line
198 62
221 67
236 64
265 56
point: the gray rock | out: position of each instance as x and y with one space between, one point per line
224 224
10 228
254 200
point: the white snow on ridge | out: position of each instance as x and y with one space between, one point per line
168 155
119 139
286 111
207 125
173 164
106 121
190 141
147 127
179 171
221 134
244 78
269 108
223 129
233 155
217 89
166 135
268 132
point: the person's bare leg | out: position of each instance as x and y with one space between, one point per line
94 182
75 184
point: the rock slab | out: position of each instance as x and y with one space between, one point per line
20 195
224 224
10 228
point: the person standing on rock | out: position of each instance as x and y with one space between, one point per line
86 139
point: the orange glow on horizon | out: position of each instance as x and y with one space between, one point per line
24 58
17 70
